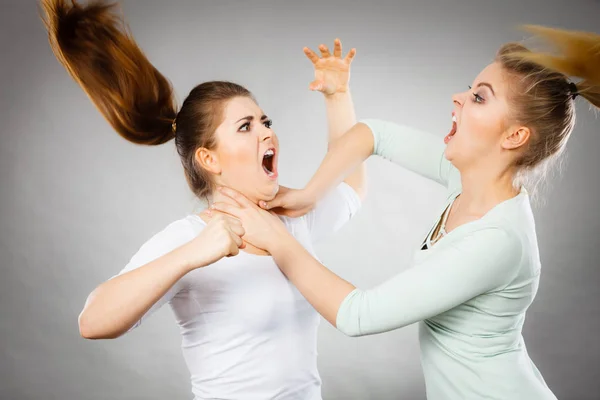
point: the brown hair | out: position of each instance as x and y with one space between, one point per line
93 43
542 96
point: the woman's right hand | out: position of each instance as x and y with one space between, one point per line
222 237
332 72
116 305
292 203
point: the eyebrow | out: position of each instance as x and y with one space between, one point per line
251 118
488 85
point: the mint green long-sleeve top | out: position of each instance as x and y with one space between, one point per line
469 292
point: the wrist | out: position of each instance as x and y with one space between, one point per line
282 246
188 260
339 95
311 192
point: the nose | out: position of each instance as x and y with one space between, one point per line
265 134
459 99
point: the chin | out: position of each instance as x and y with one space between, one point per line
270 194
448 154
264 192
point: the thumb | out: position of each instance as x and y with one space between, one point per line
327 88
316 85
265 205
278 201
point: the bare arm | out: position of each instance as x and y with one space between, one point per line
117 305
332 76
417 151
341 117
344 159
323 289
486 259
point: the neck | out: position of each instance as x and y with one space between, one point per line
217 197
484 188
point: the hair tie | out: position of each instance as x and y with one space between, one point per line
573 90
174 125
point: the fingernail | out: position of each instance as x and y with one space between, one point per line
212 206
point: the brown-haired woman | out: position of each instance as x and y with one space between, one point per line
477 271
247 333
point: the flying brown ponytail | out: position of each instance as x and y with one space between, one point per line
92 42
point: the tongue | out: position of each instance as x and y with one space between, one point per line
451 133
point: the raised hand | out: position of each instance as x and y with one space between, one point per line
332 72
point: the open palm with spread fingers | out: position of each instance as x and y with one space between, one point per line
332 72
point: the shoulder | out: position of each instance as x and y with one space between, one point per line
342 198
515 217
173 235
507 227
186 227
494 242
167 239
500 236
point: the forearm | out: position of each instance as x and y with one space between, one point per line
116 305
323 289
340 114
341 117
345 155
483 261
413 149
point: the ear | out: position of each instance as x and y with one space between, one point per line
516 137
208 160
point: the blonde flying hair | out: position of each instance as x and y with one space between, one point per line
544 86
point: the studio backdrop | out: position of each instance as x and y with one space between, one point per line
77 200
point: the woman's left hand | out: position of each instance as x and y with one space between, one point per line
263 229
293 203
332 72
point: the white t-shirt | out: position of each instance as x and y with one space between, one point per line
247 333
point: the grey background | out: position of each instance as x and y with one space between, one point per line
77 200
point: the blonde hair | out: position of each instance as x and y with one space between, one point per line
543 92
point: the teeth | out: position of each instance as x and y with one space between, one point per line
269 173
454 118
269 152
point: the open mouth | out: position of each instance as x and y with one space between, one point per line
268 163
450 135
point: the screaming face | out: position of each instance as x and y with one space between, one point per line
245 157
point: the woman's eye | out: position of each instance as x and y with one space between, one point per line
245 127
268 123
477 98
